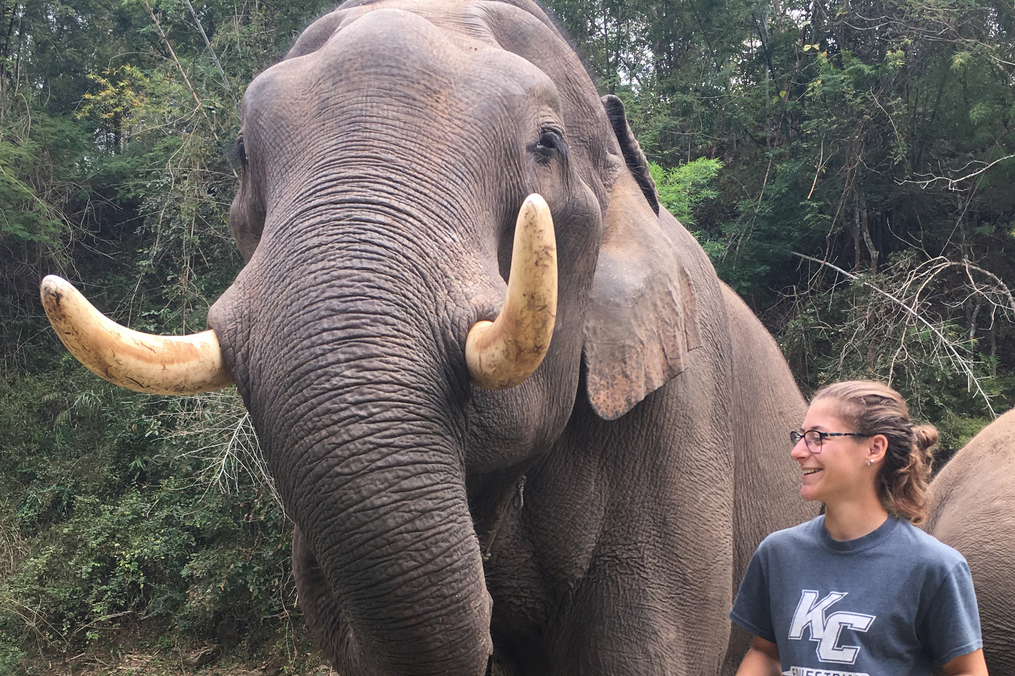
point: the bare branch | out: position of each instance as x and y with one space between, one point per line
214 56
952 183
962 362
221 416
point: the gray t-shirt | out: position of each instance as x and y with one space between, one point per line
890 603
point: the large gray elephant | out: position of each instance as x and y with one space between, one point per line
575 488
974 512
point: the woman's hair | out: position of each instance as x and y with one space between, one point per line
872 408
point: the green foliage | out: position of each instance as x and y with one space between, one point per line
683 188
844 329
856 133
114 126
10 656
109 519
104 561
39 155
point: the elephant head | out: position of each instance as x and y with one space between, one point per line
384 216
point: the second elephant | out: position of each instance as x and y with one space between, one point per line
974 512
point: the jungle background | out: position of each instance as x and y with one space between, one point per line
848 165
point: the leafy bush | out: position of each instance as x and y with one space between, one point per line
901 326
117 514
684 187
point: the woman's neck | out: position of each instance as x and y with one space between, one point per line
854 519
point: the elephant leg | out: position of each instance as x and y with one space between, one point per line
740 642
644 636
322 610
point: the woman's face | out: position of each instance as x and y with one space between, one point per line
836 469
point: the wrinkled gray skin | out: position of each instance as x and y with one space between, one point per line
593 520
974 512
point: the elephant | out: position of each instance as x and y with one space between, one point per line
974 512
520 424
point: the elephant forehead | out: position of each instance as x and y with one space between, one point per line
389 56
460 18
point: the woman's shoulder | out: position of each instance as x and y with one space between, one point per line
920 545
901 539
794 537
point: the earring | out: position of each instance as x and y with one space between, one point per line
868 463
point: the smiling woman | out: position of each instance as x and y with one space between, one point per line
865 460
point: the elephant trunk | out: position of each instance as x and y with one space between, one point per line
381 503
401 567
351 398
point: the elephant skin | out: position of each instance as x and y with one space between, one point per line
974 512
595 519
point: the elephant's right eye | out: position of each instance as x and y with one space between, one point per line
237 153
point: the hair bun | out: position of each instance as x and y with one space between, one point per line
926 436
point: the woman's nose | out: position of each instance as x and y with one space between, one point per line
800 449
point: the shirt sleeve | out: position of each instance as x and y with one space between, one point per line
752 607
951 626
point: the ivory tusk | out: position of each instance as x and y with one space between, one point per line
137 361
503 353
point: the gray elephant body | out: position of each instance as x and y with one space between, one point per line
974 512
595 518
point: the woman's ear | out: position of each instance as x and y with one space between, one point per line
878 448
642 318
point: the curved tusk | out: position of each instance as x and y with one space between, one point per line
137 361
503 353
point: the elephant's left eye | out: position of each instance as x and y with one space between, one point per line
549 144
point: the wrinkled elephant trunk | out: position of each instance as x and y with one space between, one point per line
389 548
354 421
428 613
399 591
389 558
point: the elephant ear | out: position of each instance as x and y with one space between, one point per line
629 146
642 318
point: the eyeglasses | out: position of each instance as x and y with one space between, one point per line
815 438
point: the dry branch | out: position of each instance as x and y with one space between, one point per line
963 363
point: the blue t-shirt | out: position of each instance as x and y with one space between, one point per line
890 603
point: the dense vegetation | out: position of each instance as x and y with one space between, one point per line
848 164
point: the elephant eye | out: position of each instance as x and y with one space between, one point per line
237 153
549 144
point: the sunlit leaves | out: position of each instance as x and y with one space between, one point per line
683 188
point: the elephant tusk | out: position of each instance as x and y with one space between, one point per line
137 361
503 353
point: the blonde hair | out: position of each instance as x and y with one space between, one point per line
871 408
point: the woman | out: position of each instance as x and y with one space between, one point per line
860 590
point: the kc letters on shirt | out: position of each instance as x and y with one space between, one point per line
893 602
826 629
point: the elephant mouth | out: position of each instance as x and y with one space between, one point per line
500 354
